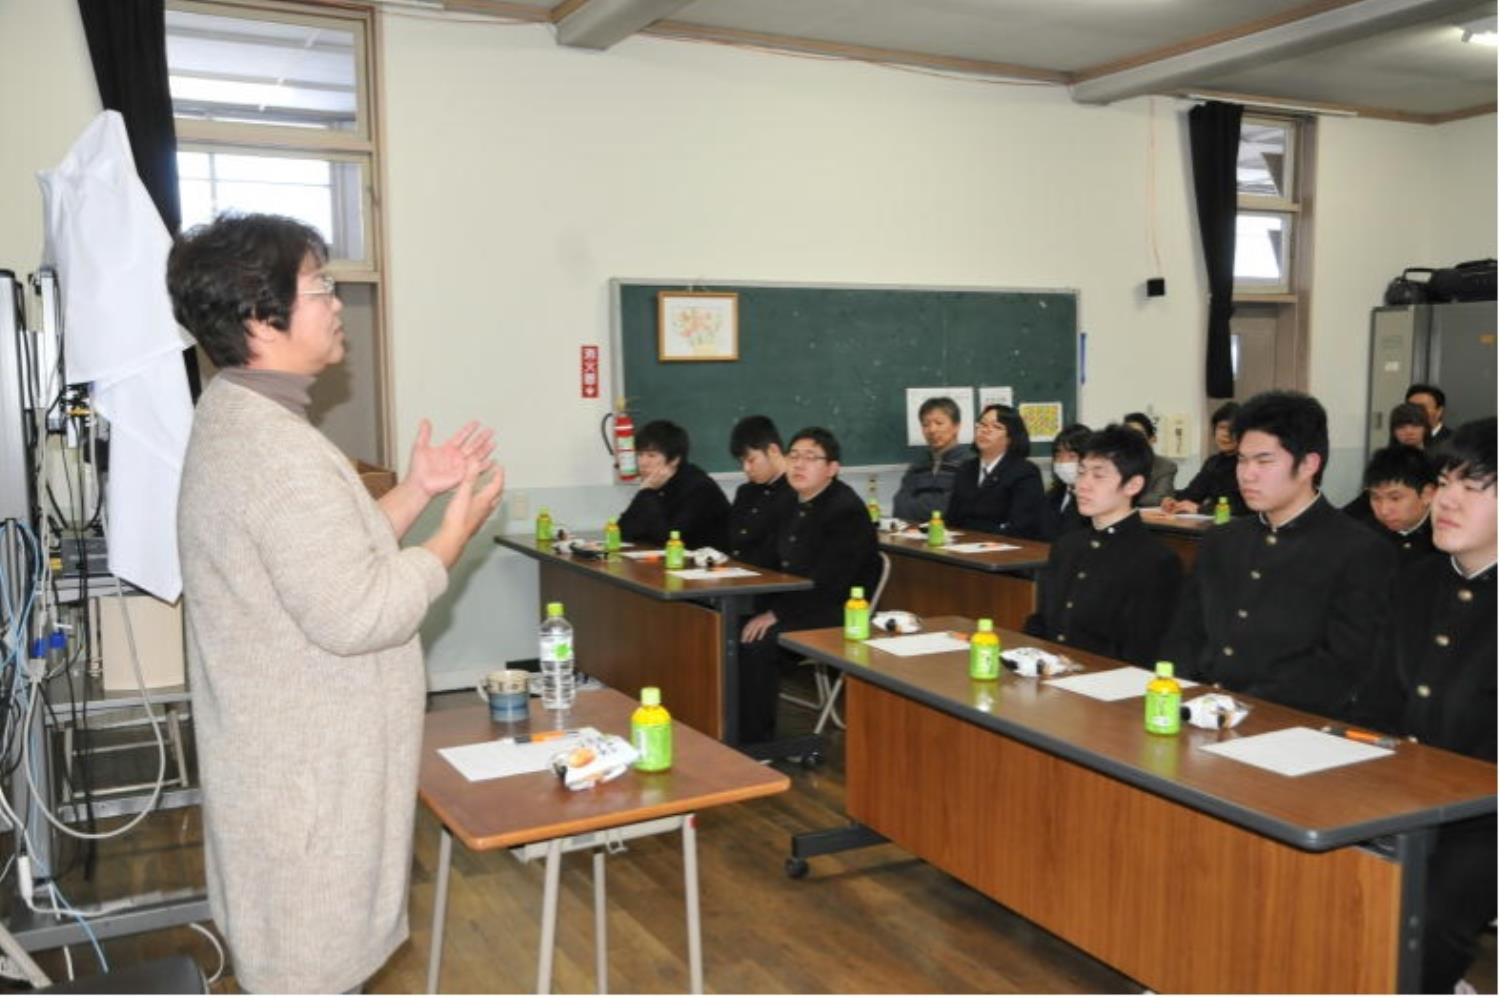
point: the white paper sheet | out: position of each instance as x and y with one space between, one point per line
981 547
1297 751
907 647
498 759
910 534
641 555
713 574
1116 683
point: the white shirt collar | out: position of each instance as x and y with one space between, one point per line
985 469
1453 560
1294 517
1419 524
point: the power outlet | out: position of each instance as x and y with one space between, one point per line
1172 436
520 505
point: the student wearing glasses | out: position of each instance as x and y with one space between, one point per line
673 495
826 536
1435 682
1217 475
1111 588
1000 491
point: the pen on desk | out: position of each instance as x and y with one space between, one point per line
539 736
1363 736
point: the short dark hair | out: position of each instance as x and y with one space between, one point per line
1410 414
666 438
1018 438
1298 422
1428 389
1143 420
1127 450
820 436
1224 413
948 406
753 432
235 269
1071 438
1469 451
1399 465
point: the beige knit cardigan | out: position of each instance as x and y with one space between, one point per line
308 693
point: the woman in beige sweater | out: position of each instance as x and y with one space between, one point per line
302 612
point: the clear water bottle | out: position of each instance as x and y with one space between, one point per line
557 659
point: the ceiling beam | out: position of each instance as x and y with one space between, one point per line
1327 23
600 24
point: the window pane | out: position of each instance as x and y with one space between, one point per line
268 72
1262 166
1262 249
326 194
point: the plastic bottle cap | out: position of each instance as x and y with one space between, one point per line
58 641
554 609
543 511
1164 669
674 535
986 626
611 522
857 592
651 696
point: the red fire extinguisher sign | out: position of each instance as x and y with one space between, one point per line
589 371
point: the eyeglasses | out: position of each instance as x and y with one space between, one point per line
803 457
324 284
981 424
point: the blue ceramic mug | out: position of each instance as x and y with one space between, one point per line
507 693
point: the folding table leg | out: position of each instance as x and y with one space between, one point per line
601 940
549 916
690 890
439 911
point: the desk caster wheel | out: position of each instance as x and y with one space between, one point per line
812 760
796 868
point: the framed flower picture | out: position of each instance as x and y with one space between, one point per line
697 325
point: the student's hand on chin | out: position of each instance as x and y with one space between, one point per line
657 478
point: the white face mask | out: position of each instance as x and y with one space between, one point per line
1066 473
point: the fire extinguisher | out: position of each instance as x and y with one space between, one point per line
620 441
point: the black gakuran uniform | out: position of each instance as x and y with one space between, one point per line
1110 591
1435 682
831 540
690 502
754 516
1289 614
1007 499
1214 479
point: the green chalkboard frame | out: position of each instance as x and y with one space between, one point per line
841 356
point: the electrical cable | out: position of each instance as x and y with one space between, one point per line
218 947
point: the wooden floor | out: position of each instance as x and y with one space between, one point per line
873 920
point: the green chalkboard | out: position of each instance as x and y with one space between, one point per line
843 357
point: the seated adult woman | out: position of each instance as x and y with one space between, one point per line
1163 469
999 491
1409 426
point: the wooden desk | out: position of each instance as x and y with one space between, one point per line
1179 533
930 581
523 809
636 625
1182 869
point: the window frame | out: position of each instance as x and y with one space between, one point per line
1288 204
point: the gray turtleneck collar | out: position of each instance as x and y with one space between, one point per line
290 391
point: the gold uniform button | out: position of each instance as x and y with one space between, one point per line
1069 605
1082 575
1228 652
1442 640
1242 614
1465 595
1062 638
1094 544
1423 691
1406 546
1255 575
1271 540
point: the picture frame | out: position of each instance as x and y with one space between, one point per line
697 326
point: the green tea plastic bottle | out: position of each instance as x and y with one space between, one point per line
612 536
676 552
1221 511
937 533
1163 701
872 502
984 652
651 732
544 525
857 615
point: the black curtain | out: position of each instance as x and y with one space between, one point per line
1214 133
128 46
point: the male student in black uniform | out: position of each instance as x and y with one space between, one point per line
1435 403
827 536
1110 588
1397 500
1285 604
1434 681
765 496
674 495
1217 475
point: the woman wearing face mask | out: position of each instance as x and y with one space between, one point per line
1062 508
999 491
